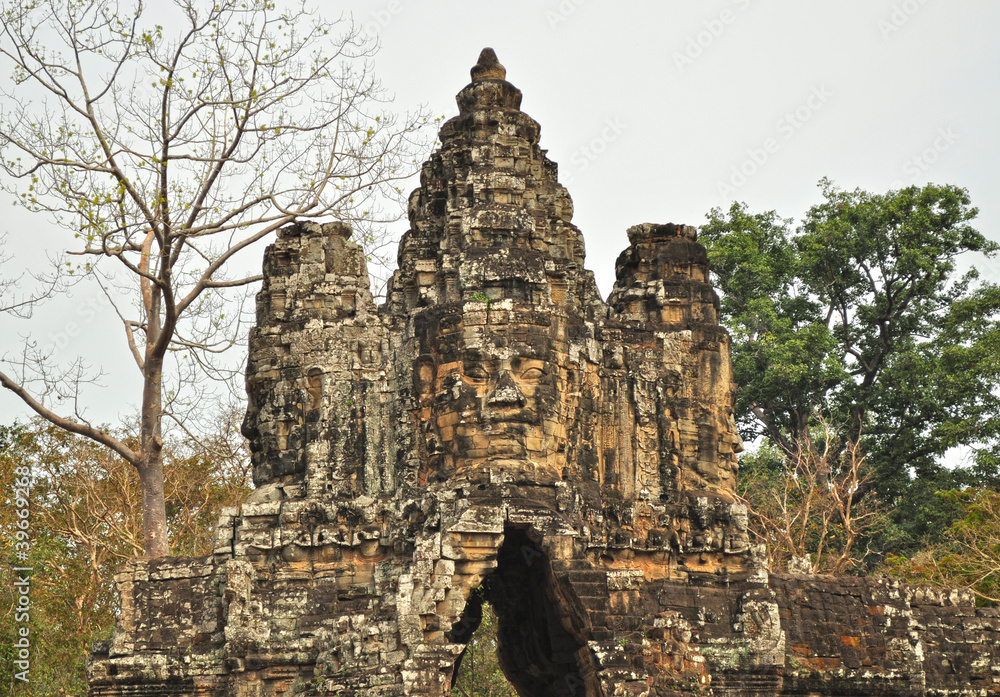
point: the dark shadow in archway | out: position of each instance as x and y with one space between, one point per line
537 654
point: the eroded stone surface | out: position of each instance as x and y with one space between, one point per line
497 426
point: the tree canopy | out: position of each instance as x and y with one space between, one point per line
85 521
866 316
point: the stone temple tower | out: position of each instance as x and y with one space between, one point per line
498 432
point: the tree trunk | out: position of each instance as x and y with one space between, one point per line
154 508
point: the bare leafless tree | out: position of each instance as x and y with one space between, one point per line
817 504
168 145
13 298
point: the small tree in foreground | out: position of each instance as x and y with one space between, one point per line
167 146
479 674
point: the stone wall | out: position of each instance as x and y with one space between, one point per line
497 432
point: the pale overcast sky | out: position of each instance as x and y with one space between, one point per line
652 109
660 111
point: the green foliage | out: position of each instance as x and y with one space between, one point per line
85 520
57 646
862 317
479 674
783 352
482 298
969 554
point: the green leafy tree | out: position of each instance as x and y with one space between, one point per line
863 317
166 146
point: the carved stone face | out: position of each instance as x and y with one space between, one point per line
500 399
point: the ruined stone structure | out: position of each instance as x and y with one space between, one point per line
496 431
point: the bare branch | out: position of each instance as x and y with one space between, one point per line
86 430
236 283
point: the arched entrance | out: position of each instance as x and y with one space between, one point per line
537 652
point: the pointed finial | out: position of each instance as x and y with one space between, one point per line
488 67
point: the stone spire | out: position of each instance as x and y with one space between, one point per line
313 355
488 67
490 219
491 300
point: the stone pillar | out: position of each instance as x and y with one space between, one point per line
315 366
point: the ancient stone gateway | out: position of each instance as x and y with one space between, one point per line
496 425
